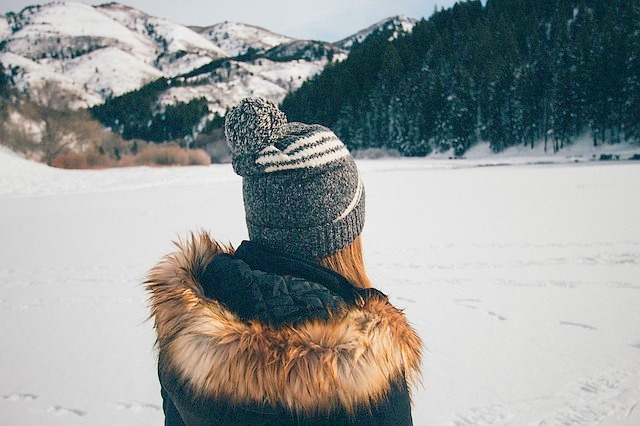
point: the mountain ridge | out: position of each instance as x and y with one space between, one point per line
96 53
395 24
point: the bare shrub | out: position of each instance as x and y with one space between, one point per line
150 155
87 160
50 131
166 155
70 160
198 157
127 161
162 156
95 160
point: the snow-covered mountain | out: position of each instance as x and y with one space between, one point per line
100 52
396 25
226 85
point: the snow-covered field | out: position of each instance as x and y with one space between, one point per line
524 282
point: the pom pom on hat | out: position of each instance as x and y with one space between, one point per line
253 125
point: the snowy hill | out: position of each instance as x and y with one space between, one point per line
271 74
395 25
98 52
227 84
4 28
182 49
237 39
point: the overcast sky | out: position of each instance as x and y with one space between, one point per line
327 20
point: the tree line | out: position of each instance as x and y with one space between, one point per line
511 72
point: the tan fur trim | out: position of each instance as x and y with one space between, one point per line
345 362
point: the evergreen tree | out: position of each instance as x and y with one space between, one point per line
511 72
631 91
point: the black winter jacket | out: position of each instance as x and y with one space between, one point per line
254 338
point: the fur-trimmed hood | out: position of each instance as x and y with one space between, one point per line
344 362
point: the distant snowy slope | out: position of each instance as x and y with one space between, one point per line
100 52
111 72
67 42
106 50
80 78
59 31
181 49
32 74
272 75
226 86
397 25
174 36
237 39
4 28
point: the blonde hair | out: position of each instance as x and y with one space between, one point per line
349 263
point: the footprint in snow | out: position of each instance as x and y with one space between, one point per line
487 415
493 314
63 411
467 303
134 406
577 324
472 304
14 397
592 401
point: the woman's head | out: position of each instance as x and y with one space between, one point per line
303 194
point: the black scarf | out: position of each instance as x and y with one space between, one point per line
258 284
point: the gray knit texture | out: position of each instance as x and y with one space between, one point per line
302 191
254 123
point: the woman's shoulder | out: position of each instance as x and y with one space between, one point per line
304 341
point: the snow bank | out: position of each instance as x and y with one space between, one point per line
580 150
22 178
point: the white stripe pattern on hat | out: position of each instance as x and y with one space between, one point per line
315 138
317 150
354 201
311 162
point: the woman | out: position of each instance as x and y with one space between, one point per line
286 329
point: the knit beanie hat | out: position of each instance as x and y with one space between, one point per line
302 191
